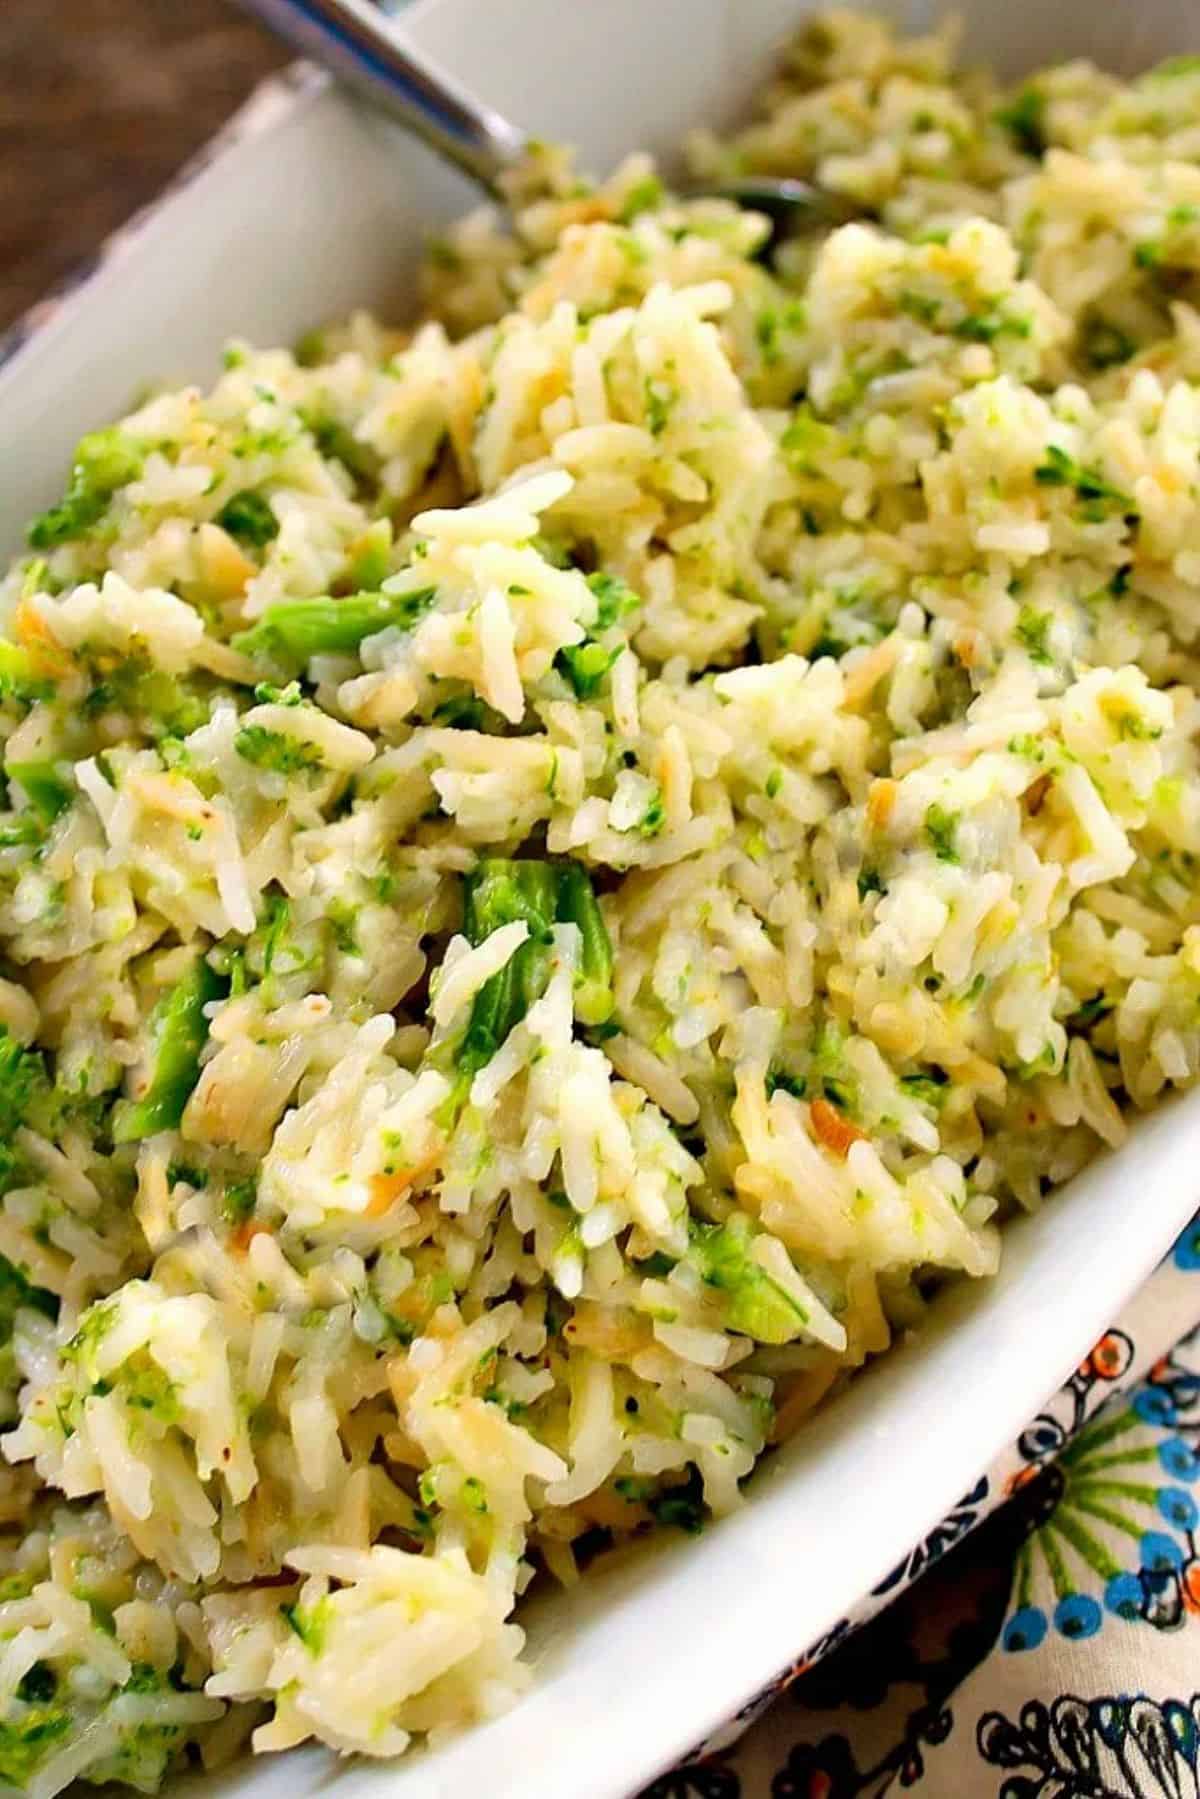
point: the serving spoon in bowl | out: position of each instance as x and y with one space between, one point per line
357 42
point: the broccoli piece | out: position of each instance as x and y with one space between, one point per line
675 1507
615 599
43 786
1033 630
577 905
20 681
928 1088
238 1201
467 712
986 327
178 1032
249 517
782 1080
372 561
499 893
310 1622
337 441
16 1291
19 829
654 817
941 830
104 461
755 1305
584 665
276 752
1025 118
542 894
1098 494
1104 344
161 703
22 1078
292 632
643 196
25 1742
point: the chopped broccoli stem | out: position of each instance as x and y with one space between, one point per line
292 632
500 892
178 1032
577 905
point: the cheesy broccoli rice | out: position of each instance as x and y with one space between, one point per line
558 866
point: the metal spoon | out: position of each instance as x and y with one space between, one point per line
356 41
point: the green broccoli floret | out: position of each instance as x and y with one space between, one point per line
161 703
1033 630
22 1078
104 461
249 517
276 752
238 1201
338 441
615 599
27 1741
654 817
941 831
585 665
755 1305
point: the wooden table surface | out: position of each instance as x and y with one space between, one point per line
100 103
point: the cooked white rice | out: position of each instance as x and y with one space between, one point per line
561 866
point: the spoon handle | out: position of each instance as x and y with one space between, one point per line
355 40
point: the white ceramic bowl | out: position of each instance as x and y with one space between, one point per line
317 210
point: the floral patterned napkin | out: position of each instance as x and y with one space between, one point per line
1044 1641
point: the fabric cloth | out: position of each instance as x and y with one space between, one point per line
1044 1641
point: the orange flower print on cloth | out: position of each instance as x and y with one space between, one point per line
984 1663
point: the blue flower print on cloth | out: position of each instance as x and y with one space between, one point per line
1043 1641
